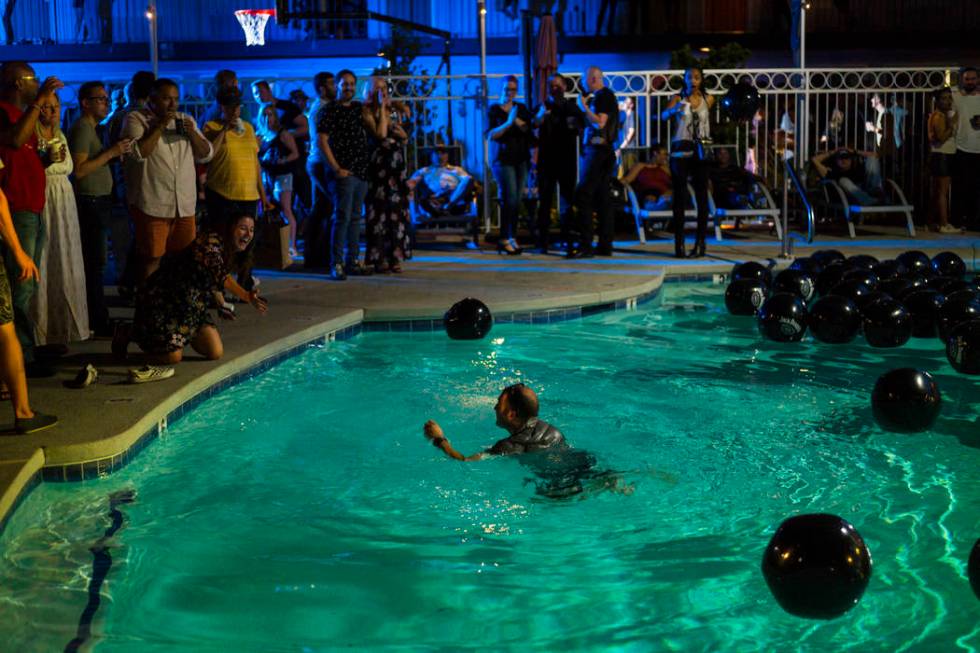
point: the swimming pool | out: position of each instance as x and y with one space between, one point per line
304 511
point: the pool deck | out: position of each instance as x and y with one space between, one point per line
109 421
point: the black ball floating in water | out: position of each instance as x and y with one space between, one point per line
783 318
468 319
862 262
745 296
827 256
834 319
796 282
808 265
752 270
924 306
963 347
869 278
855 290
886 323
817 566
954 312
830 276
973 569
914 261
949 264
905 400
896 287
890 269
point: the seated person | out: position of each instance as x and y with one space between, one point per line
857 173
651 180
445 189
731 185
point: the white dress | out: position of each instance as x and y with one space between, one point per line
59 309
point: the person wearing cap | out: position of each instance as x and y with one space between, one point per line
234 182
224 79
441 188
857 173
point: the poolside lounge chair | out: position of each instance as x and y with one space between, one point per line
642 216
829 195
770 210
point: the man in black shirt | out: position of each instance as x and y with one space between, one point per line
343 144
857 173
601 112
559 124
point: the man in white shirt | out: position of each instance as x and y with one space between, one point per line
161 185
966 179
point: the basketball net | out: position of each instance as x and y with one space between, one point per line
253 24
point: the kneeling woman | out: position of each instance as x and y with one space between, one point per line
172 308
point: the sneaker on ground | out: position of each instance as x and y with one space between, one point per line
40 421
85 377
948 229
150 373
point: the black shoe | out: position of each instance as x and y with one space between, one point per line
580 253
337 273
604 250
25 425
698 251
358 270
39 370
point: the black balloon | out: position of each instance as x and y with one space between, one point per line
862 261
831 275
817 566
963 347
869 278
924 306
834 319
827 256
890 269
745 296
942 284
973 569
808 265
905 400
949 264
752 270
917 283
468 319
895 287
855 290
741 102
872 297
886 323
783 318
797 282
962 294
914 261
955 312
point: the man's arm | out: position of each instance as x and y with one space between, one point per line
597 119
200 146
323 142
20 132
84 166
818 163
434 433
145 138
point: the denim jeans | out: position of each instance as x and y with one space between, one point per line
865 194
345 228
511 181
32 236
94 221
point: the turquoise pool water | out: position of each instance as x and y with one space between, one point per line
303 510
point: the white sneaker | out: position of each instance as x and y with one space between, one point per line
948 229
149 373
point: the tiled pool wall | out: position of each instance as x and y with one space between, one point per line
102 467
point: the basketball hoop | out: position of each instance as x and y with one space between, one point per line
253 24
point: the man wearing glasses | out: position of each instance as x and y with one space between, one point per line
22 181
93 194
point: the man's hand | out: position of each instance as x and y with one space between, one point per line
27 268
342 173
48 89
433 431
189 125
121 147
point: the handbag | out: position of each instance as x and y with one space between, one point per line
272 242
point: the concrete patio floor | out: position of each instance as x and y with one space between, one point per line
108 417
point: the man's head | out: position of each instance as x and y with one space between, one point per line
225 79
142 82
325 86
515 406
658 154
557 87
440 157
347 86
592 79
164 96
877 103
299 98
19 82
93 100
724 157
968 79
844 160
262 92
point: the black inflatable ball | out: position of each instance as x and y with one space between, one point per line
872 297
905 400
917 283
741 102
914 261
973 569
963 347
752 270
895 287
808 265
869 278
855 290
942 284
831 275
783 318
817 566
827 256
862 262
796 282
961 294
745 296
924 306
468 319
890 269
955 312
949 264
886 323
834 319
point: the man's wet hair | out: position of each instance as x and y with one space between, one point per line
521 400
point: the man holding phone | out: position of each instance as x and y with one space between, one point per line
966 181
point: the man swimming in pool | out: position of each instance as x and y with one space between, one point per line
560 468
